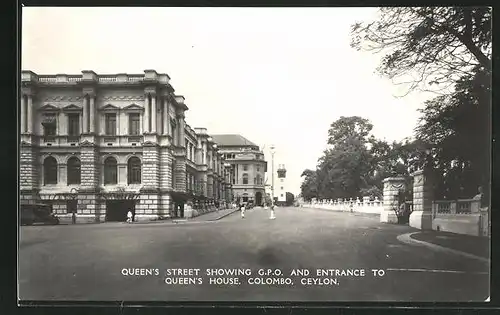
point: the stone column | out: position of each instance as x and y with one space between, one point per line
92 126
421 217
85 114
204 153
182 126
29 112
166 116
392 186
146 113
23 113
153 113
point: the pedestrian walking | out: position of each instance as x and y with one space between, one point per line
242 208
273 216
129 216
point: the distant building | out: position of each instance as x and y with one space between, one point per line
247 167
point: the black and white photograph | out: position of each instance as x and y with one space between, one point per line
254 154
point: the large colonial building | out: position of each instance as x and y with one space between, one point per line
247 167
100 145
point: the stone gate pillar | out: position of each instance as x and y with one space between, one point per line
421 217
392 186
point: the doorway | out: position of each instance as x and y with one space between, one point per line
116 210
179 210
258 198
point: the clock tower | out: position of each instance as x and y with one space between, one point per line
282 187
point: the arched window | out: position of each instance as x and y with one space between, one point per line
245 179
110 171
134 170
50 170
74 170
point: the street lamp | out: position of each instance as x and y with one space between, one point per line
272 173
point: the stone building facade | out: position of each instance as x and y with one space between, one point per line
95 146
246 167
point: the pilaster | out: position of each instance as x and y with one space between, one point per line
28 176
165 168
148 207
88 208
89 155
150 166
180 173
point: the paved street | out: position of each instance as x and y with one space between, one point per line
85 262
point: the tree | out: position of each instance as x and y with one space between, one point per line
349 131
343 169
428 45
457 126
309 186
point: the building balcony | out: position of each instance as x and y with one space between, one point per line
73 139
50 139
134 139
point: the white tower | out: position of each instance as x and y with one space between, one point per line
281 187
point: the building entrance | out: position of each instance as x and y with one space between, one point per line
258 198
116 210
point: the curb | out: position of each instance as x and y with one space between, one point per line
224 215
407 239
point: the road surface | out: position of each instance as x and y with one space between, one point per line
87 262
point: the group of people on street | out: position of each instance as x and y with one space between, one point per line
242 208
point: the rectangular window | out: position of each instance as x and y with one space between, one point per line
49 125
73 124
281 187
245 167
110 123
258 168
134 124
71 206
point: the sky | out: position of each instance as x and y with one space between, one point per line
277 76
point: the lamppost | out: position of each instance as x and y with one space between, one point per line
272 173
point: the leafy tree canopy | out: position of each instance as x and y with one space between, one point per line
424 46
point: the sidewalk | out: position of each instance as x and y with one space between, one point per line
214 215
475 245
